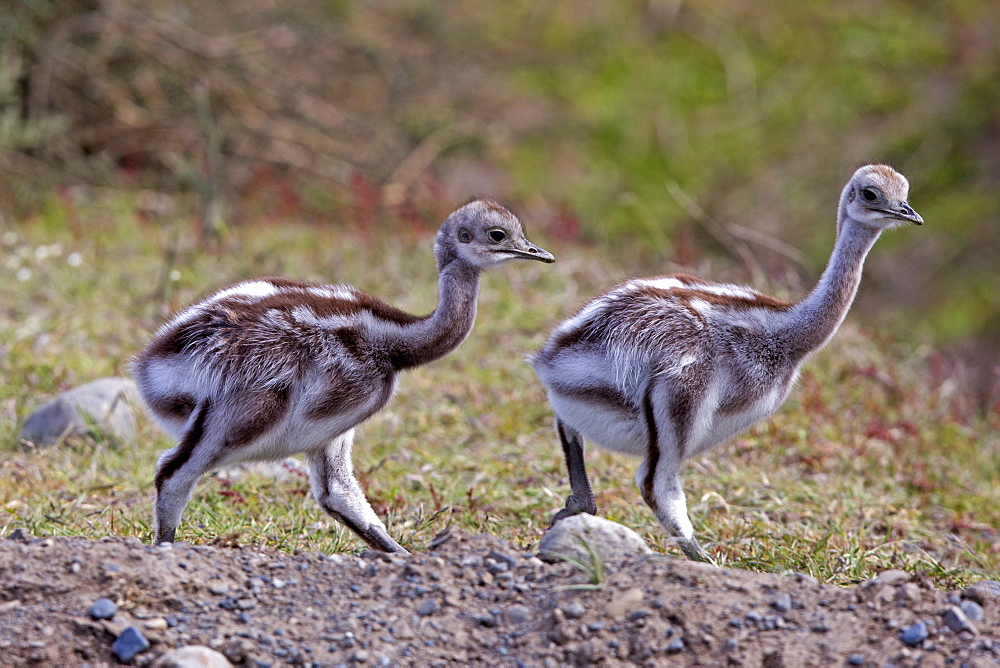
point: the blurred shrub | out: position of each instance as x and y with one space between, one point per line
666 131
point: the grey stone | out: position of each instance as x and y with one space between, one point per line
957 621
915 634
129 643
676 645
107 405
574 610
983 592
856 660
890 577
192 656
783 603
102 608
21 535
972 610
428 607
572 536
518 614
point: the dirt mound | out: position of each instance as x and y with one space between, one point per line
467 600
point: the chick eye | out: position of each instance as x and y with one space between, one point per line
869 194
497 235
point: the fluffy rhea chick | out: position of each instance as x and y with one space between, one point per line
272 367
667 368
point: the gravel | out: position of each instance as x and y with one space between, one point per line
444 606
103 608
129 643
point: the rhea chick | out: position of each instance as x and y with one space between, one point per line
669 367
272 367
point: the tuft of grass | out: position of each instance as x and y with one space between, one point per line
877 461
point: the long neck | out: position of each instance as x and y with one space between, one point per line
443 330
814 320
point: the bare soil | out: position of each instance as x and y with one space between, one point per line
468 600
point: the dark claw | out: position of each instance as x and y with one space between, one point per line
574 507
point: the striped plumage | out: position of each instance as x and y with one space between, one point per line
272 367
667 368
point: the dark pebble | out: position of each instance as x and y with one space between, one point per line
676 645
129 643
972 610
856 660
428 607
103 608
915 634
754 616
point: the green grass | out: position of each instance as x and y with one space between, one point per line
875 462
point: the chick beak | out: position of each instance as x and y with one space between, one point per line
906 212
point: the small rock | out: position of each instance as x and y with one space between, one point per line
783 603
893 576
573 536
487 619
20 535
575 610
908 593
428 607
641 613
360 656
856 660
129 643
731 644
192 656
914 634
972 610
676 645
983 592
102 608
624 602
957 621
155 624
105 404
518 614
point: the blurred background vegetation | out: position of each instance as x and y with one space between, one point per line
711 136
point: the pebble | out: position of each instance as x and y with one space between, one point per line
676 645
575 610
972 610
103 608
192 656
892 576
783 603
909 592
518 614
428 607
129 643
957 621
731 644
624 602
856 660
155 624
983 592
915 634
